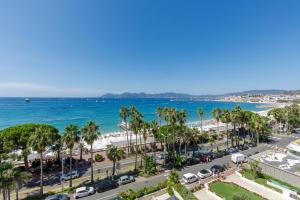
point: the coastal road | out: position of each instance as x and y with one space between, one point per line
277 141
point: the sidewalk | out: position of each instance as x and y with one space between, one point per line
253 188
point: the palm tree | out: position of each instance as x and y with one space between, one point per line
216 113
173 116
160 114
114 154
226 118
19 179
70 137
145 129
257 120
81 149
124 114
181 117
154 129
90 132
235 119
135 126
200 113
11 178
39 140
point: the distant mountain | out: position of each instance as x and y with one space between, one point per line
128 95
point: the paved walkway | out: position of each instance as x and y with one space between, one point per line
202 194
253 187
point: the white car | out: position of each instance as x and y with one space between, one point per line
83 192
204 173
125 179
189 178
67 176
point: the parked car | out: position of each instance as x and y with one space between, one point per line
204 173
58 197
125 179
192 161
217 168
189 178
233 149
106 185
67 176
243 147
218 154
83 192
205 157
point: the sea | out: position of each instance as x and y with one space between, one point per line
61 112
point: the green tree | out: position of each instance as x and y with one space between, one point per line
216 113
90 133
226 118
11 178
124 114
16 138
155 132
255 169
114 154
135 126
200 112
39 140
70 137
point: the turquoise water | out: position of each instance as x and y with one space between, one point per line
62 111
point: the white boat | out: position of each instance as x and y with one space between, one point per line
27 100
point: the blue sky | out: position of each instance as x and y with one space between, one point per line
87 48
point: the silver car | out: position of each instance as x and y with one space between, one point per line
125 179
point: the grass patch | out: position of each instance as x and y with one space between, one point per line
260 180
228 190
264 178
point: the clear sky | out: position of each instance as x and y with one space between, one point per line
87 48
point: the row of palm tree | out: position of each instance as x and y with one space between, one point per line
41 139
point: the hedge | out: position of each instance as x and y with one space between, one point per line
184 192
132 195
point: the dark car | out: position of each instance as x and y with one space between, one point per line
233 150
217 168
243 147
106 185
192 161
218 154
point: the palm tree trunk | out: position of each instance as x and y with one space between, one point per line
185 150
70 182
17 191
136 152
26 162
92 168
8 194
126 132
140 148
227 136
130 142
174 151
201 125
81 151
41 181
154 157
114 168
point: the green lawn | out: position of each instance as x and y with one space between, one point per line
227 190
261 180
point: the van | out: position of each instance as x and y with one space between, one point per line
238 158
189 178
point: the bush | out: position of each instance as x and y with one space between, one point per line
240 196
99 158
184 192
132 195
